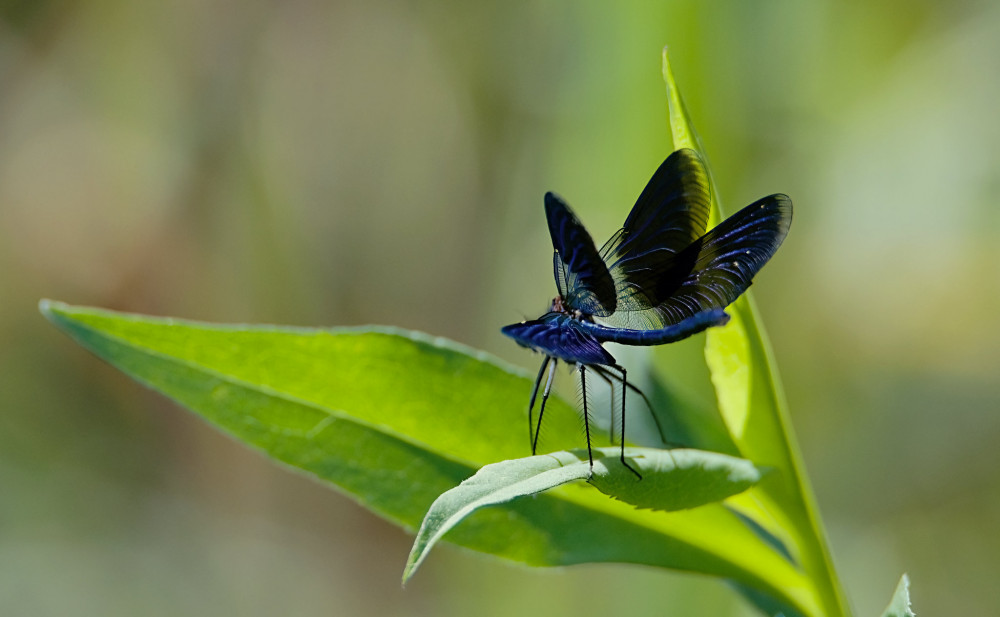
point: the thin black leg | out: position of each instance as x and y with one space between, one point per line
624 381
624 386
610 378
545 398
649 406
642 395
586 415
531 403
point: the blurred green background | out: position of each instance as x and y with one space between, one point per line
358 162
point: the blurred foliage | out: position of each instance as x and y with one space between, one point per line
384 162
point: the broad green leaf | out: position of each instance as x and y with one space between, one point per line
671 480
396 418
900 604
752 407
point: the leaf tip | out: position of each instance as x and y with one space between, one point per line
52 310
668 76
412 563
900 604
45 306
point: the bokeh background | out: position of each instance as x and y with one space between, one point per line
353 162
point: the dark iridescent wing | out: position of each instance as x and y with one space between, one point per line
716 268
670 214
582 277
559 336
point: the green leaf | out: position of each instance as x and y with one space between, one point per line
900 604
672 480
396 418
752 406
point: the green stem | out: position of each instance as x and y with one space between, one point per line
748 390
